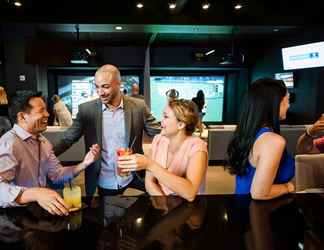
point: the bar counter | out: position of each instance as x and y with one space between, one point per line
211 222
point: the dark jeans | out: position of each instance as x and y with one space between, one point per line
135 183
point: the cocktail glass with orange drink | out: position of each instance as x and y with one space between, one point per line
121 152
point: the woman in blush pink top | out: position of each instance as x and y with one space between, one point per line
178 161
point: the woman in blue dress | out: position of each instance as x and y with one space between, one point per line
257 153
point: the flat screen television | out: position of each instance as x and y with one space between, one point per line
303 56
188 86
78 89
287 77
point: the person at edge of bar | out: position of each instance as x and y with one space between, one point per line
5 123
311 142
27 158
257 153
178 162
135 91
113 121
62 116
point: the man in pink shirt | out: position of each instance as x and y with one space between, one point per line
27 159
310 142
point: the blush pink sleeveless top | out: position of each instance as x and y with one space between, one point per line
180 161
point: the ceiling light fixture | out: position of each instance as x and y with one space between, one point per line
230 58
118 28
78 58
139 5
238 6
210 52
78 55
17 3
275 30
88 51
172 6
205 6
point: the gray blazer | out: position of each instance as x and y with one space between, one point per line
89 123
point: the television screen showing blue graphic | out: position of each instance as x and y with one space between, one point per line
287 77
303 56
188 86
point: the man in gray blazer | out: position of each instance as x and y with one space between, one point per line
112 121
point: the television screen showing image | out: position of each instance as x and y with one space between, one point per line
188 86
75 90
304 56
287 77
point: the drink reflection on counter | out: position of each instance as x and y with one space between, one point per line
181 220
164 221
35 227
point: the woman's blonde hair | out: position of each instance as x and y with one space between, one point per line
3 96
185 111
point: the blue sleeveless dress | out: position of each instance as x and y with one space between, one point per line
285 173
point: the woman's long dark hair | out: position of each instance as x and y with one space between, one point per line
260 108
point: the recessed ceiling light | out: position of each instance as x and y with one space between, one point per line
139 221
17 3
118 28
275 30
172 6
205 6
139 5
238 6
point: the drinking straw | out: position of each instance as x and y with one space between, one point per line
132 144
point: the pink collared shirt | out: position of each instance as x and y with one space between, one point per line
21 165
180 161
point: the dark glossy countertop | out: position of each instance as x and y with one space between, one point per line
211 222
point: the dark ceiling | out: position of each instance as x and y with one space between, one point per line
221 12
164 35
188 24
141 35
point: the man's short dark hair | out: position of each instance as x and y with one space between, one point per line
21 103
